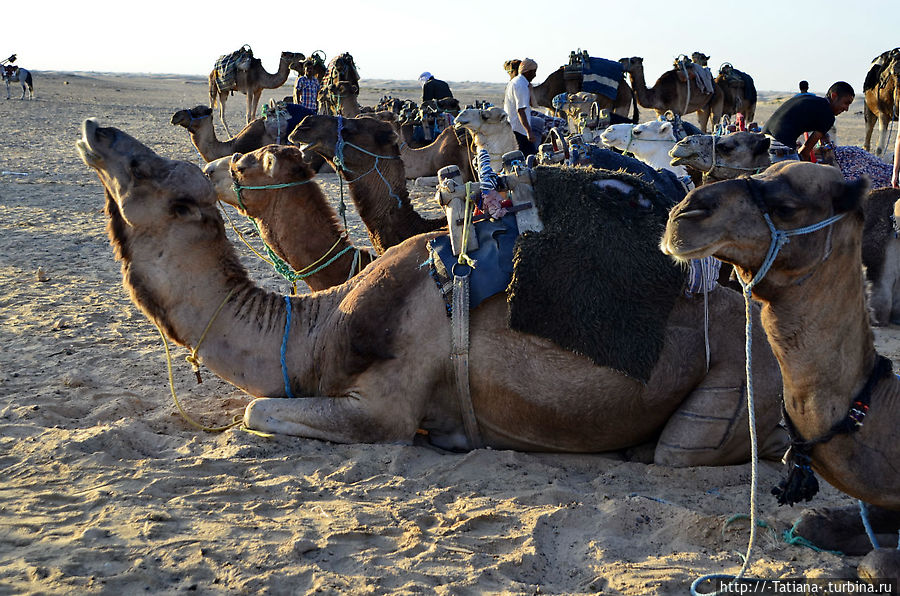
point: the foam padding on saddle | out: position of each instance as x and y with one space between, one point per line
594 281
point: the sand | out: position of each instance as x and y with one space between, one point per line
105 489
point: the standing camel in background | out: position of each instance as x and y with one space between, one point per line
15 74
882 92
250 81
339 95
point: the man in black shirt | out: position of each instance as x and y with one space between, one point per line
433 88
809 113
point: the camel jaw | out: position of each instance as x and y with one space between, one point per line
674 241
682 154
219 173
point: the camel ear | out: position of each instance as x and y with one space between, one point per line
665 127
761 144
850 197
269 163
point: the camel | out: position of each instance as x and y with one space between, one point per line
650 142
251 82
738 92
723 157
366 153
369 359
669 93
199 124
556 83
295 221
490 130
17 74
882 94
339 95
447 149
814 314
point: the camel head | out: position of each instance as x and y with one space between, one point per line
741 150
293 59
700 58
629 137
273 164
320 134
632 64
481 120
190 119
725 219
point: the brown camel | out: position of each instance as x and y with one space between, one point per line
370 359
814 314
669 93
199 124
556 83
723 157
296 221
447 149
738 92
371 164
251 82
339 95
882 92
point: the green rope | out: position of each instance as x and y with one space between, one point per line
791 538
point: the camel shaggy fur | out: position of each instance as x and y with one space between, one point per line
491 131
295 221
814 314
369 360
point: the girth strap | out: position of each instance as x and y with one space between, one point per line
459 356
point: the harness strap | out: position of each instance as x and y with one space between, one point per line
800 483
459 355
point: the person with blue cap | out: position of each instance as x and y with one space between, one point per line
433 88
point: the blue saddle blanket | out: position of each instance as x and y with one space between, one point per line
493 260
601 76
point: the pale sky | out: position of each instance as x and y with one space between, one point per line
776 42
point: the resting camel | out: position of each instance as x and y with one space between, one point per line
296 221
369 359
650 142
723 157
371 164
447 149
555 83
814 314
669 93
251 83
882 92
199 124
490 130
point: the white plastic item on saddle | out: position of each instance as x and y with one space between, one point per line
520 184
451 194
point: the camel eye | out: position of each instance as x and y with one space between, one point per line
637 131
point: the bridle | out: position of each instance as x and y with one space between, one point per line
714 165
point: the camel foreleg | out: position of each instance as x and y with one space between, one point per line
884 124
349 419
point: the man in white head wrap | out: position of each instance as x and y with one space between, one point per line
517 104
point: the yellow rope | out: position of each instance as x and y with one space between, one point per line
467 224
184 414
192 358
244 240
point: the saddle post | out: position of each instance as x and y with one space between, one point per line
451 194
519 179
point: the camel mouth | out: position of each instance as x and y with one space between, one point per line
86 145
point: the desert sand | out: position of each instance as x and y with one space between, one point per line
106 489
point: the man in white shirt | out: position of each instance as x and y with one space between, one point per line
517 105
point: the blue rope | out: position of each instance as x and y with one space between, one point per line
779 239
864 514
284 343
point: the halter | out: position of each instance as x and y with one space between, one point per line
339 163
279 264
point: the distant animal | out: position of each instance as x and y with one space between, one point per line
16 74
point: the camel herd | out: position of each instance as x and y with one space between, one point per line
369 350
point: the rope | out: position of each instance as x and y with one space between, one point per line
339 146
284 343
779 239
864 515
192 358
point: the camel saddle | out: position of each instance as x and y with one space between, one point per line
228 65
593 281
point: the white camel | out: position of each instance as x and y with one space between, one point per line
650 142
491 130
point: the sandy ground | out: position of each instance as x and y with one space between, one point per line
105 489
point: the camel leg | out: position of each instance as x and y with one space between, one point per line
222 97
252 104
703 119
884 122
337 419
869 118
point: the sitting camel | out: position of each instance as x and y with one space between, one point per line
199 124
278 191
383 341
724 157
841 401
251 82
650 142
490 130
366 153
669 93
447 149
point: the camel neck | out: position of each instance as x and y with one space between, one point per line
825 349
